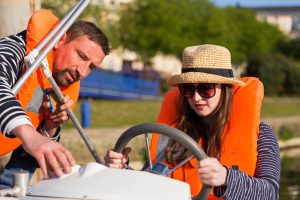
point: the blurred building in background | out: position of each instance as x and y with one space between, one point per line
286 18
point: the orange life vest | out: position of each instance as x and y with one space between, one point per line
39 25
240 146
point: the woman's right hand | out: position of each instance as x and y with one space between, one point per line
117 160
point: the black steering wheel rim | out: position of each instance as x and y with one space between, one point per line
171 132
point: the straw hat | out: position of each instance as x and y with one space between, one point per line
205 64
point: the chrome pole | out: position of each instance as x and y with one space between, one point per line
75 121
64 27
49 36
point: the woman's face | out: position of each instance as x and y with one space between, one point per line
204 106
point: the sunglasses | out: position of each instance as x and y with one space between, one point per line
205 90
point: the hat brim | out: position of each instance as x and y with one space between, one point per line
199 77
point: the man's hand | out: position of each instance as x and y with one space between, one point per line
50 155
59 114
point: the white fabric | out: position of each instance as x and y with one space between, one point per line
15 123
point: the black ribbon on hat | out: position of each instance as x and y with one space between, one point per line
221 72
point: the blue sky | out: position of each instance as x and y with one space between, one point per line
256 3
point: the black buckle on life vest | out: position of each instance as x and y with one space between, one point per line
235 167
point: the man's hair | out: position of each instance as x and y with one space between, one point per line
84 28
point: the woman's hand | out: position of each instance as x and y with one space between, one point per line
117 160
212 172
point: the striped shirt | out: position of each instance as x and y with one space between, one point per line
265 182
264 185
12 52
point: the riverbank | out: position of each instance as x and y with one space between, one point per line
290 148
105 138
293 122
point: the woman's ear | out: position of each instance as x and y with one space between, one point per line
61 41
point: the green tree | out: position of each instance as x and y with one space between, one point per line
291 48
279 74
268 69
93 13
292 77
152 26
251 35
59 7
239 31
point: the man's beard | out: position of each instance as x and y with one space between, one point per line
61 79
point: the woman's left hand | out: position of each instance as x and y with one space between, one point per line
212 172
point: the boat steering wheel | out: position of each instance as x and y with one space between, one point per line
171 132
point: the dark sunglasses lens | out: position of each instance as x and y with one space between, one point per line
206 90
186 90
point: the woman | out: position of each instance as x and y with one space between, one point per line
244 161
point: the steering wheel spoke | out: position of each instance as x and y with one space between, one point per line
148 151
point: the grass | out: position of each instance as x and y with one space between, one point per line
280 107
118 113
285 133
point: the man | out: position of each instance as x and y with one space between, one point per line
78 52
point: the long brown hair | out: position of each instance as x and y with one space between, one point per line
193 125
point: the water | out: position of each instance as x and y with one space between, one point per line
290 177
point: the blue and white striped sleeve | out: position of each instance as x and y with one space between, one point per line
265 182
12 51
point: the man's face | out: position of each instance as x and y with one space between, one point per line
75 60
